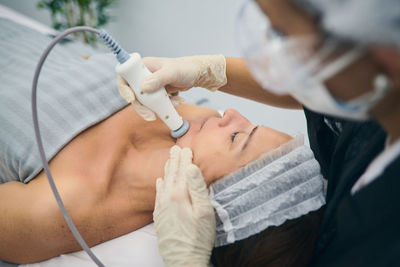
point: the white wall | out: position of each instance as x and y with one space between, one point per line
173 28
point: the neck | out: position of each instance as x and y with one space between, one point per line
159 157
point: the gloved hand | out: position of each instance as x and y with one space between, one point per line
180 74
184 218
127 93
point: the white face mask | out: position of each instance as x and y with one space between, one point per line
294 65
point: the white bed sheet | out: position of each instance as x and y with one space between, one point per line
138 248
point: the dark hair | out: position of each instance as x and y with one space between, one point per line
290 244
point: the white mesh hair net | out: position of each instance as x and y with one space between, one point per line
282 184
362 21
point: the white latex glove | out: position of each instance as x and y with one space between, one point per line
184 218
180 74
127 93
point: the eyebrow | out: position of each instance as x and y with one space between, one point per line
249 138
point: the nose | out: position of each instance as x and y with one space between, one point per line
231 116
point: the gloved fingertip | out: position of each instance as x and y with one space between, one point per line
173 161
177 100
159 193
193 172
174 151
126 93
152 63
187 153
196 183
150 84
149 117
166 168
143 111
126 87
159 183
121 80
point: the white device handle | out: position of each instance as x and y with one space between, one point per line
134 71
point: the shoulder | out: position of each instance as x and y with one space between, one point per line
365 225
337 142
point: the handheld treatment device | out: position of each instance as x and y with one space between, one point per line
132 69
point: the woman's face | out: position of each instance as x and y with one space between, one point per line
222 145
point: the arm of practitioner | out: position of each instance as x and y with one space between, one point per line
215 72
184 218
241 83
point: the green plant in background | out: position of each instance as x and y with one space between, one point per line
71 13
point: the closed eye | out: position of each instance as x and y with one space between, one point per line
233 136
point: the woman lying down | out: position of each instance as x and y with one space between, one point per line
107 175
105 160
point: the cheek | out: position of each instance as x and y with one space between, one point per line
213 163
210 156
